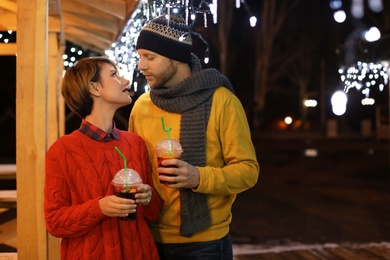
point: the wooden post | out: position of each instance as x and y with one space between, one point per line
54 130
31 131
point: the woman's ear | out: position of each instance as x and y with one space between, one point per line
93 89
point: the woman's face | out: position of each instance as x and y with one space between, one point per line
113 88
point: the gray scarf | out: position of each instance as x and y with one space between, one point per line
192 98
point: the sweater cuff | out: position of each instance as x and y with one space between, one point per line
198 189
95 211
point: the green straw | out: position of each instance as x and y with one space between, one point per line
124 158
168 131
125 165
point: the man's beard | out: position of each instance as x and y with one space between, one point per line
166 75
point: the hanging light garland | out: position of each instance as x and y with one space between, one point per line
123 51
8 36
372 72
363 76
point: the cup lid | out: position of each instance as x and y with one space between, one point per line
126 176
169 145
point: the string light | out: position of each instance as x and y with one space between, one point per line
73 53
123 51
8 36
363 76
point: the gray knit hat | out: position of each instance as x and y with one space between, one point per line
168 36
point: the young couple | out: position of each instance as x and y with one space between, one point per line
187 219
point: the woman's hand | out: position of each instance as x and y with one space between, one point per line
114 206
144 194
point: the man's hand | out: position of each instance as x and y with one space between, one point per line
187 175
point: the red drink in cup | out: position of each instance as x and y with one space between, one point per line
168 149
126 182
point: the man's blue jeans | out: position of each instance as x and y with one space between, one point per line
212 250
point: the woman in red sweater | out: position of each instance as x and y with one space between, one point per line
80 205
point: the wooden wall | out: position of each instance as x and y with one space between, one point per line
38 78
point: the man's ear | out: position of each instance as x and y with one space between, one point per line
93 89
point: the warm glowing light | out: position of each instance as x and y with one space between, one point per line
368 101
357 9
311 152
310 103
339 16
372 35
335 4
288 120
339 103
375 5
364 76
253 21
213 9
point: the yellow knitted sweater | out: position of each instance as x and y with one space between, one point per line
231 162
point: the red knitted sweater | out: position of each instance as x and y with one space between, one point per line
79 171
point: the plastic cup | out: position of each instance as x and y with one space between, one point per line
168 149
126 182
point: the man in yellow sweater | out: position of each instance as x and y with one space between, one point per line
219 161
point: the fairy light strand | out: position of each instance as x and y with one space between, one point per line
123 51
364 76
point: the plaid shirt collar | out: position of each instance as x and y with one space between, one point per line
98 134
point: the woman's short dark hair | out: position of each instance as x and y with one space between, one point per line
76 84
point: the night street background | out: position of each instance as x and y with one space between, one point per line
342 194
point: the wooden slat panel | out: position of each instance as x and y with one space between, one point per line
7 231
84 11
364 253
101 36
96 17
8 256
92 43
7 49
306 254
8 195
8 5
53 117
7 171
31 132
92 24
8 22
291 255
8 199
353 252
53 89
380 251
117 8
320 254
269 256
342 253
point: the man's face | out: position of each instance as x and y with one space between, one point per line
158 70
